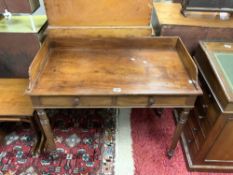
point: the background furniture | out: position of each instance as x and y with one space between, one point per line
16 106
16 6
207 5
168 21
19 44
208 137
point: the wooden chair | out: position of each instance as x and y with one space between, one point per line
15 106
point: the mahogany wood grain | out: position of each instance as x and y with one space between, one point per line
114 67
13 100
218 152
112 101
112 72
119 31
209 148
38 63
187 61
206 62
168 21
98 12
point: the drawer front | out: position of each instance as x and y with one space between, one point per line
132 101
113 101
75 101
196 130
203 123
155 101
206 111
190 140
173 101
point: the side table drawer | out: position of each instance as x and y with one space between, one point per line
112 101
190 140
155 101
196 130
73 101
132 101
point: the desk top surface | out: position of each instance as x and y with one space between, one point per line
220 55
13 100
103 69
170 14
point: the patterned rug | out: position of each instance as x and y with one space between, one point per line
84 140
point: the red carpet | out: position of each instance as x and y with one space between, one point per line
151 138
84 141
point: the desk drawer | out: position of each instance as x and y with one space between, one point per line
132 101
155 101
113 101
196 130
75 101
193 149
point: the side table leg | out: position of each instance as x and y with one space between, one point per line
159 111
36 129
47 131
179 128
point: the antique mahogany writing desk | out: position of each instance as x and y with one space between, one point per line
93 73
76 68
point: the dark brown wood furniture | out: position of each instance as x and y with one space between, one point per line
102 73
208 136
19 6
16 106
207 5
168 21
98 18
19 44
77 69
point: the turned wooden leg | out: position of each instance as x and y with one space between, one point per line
35 127
47 131
41 141
179 128
159 112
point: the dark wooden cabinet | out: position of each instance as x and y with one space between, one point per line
168 21
19 6
2 6
19 44
207 5
208 137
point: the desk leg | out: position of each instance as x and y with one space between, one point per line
47 131
159 111
179 128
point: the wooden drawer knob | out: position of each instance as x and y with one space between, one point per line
205 106
151 101
195 130
76 101
190 141
201 117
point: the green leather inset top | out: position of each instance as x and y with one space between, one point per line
225 60
22 24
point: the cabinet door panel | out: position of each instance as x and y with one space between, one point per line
222 148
